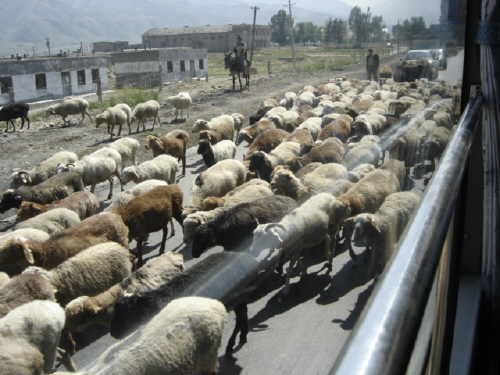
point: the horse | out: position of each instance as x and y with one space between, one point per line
234 67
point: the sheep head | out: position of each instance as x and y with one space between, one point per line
202 240
16 251
28 210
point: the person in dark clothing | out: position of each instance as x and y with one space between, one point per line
240 51
372 64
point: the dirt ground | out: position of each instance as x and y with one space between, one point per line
22 150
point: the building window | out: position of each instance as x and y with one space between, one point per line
95 75
40 81
170 67
5 84
201 64
183 66
213 38
80 74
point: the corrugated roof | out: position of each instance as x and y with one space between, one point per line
191 30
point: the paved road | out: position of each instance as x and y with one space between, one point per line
301 335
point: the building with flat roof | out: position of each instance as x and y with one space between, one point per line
214 38
34 79
150 68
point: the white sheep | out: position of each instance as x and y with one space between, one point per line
52 221
313 126
186 336
200 124
306 226
97 167
222 150
288 100
217 180
126 196
85 310
359 172
118 115
281 119
324 175
127 148
70 107
162 167
264 163
238 121
366 151
142 111
380 231
182 101
37 324
369 124
25 288
89 272
28 233
42 171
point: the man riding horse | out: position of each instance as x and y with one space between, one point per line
240 51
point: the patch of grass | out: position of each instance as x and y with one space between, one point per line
312 59
131 96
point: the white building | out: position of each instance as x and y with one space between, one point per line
34 79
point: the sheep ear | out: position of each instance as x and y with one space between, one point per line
374 224
28 255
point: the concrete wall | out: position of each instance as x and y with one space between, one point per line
23 73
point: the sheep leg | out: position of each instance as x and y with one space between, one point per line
117 174
65 359
164 239
139 251
71 342
110 179
172 229
83 116
241 325
184 164
286 288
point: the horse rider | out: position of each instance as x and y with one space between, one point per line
240 51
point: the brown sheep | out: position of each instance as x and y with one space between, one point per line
334 128
251 132
301 136
220 133
385 72
266 141
96 229
84 203
173 143
331 150
151 212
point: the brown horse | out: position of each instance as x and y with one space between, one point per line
236 69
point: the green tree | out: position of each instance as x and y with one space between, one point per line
335 31
376 29
356 22
305 32
279 28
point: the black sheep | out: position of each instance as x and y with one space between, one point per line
233 227
225 276
14 111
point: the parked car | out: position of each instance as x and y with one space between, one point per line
417 54
441 56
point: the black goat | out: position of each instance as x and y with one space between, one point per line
14 111
225 276
234 227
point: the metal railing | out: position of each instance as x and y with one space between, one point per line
383 339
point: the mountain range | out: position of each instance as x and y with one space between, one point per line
27 25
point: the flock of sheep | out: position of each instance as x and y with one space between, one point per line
330 163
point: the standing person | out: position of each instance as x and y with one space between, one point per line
240 51
372 64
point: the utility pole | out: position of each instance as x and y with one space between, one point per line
48 45
291 32
253 32
398 37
